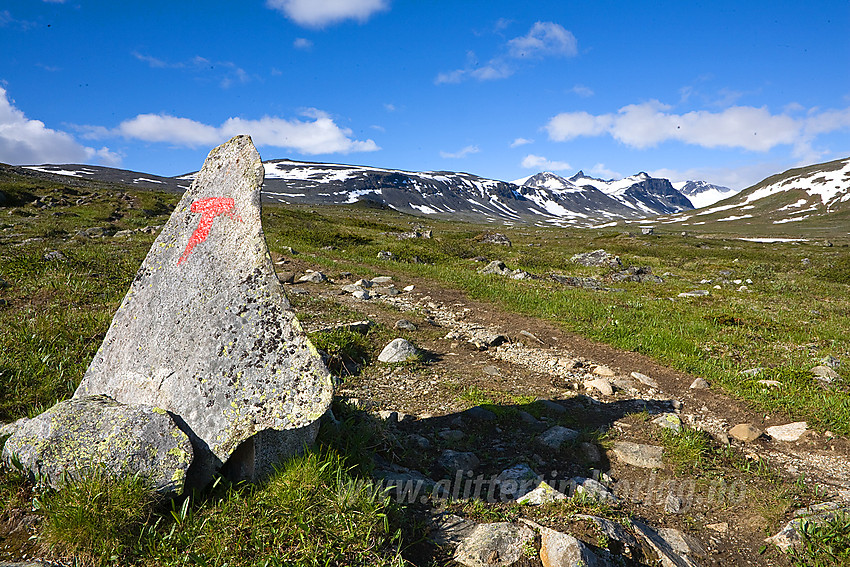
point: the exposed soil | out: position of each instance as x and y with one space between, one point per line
552 365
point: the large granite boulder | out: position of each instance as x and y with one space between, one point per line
206 332
91 432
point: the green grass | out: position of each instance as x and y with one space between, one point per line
824 543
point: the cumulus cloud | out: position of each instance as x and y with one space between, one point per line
544 39
302 43
736 178
650 123
26 141
521 142
582 91
318 134
320 13
460 154
599 170
539 163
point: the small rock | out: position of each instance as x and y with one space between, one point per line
365 284
789 432
745 432
409 288
478 413
694 293
825 374
720 527
385 255
602 370
449 530
361 294
494 545
830 361
663 547
55 256
490 370
452 461
644 379
673 504
597 258
770 383
380 280
552 407
451 435
638 455
517 481
398 350
405 325
420 441
601 385
669 421
594 490
495 267
590 452
390 417
752 371
699 384
543 494
554 437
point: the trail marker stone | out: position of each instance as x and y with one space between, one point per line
206 332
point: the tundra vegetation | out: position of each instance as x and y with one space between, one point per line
60 285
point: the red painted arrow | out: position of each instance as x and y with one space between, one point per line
209 209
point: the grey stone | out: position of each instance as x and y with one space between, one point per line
495 267
385 255
699 384
555 437
451 435
398 350
604 371
96 432
543 494
830 361
361 327
788 432
362 295
495 238
552 407
55 256
667 555
420 441
594 490
453 461
681 542
694 293
405 325
644 379
365 284
517 481
500 544
563 550
752 371
381 280
825 374
351 288
612 530
490 370
673 504
590 452
206 332
597 258
638 455
745 432
313 277
601 385
669 421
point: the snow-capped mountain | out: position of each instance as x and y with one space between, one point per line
804 195
701 193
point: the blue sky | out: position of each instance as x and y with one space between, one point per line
728 92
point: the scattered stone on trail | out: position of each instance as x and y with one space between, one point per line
644 379
380 280
543 494
667 555
361 294
594 490
699 384
554 437
788 432
206 332
825 374
531 336
365 284
597 258
495 267
638 455
563 550
313 277
500 544
719 527
408 288
398 350
694 293
669 421
452 461
604 371
477 413
590 452
745 432
88 433
490 370
405 325
517 481
601 385
352 288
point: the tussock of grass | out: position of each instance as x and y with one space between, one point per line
824 544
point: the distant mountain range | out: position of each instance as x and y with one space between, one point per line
815 196
545 198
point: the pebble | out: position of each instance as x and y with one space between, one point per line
601 385
745 432
789 432
699 384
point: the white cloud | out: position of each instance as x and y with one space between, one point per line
460 154
25 141
544 39
539 163
650 123
302 43
227 72
319 134
320 13
582 91
736 178
521 142
599 170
